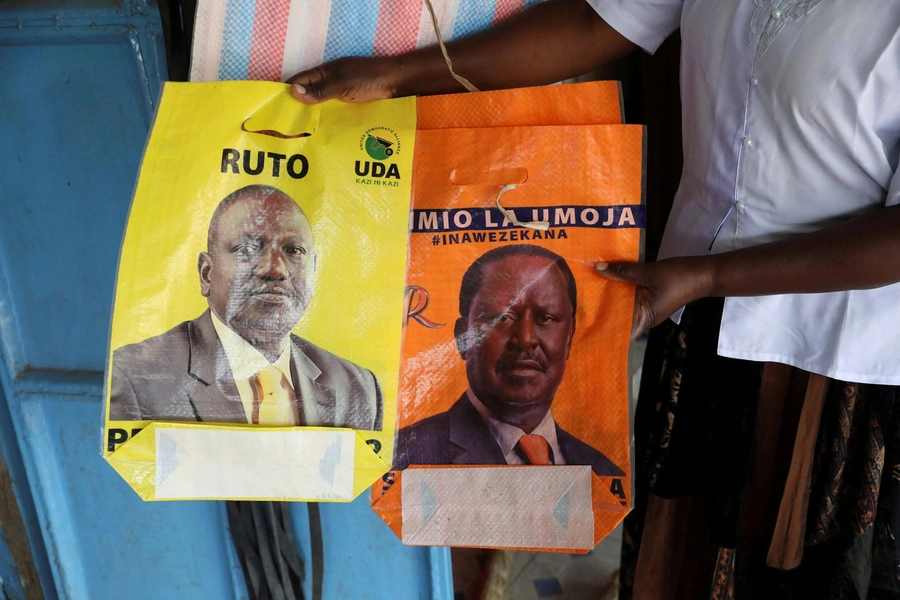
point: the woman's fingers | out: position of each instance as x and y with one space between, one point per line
637 274
662 287
353 79
626 272
306 85
644 316
319 84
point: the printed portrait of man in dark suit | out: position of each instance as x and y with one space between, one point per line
238 362
517 308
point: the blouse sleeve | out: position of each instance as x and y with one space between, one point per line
647 23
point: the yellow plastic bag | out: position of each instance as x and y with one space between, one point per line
255 340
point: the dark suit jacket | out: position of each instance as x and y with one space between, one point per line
461 437
184 375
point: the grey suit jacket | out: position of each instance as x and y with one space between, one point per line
461 437
184 375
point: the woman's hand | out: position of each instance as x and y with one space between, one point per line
662 287
351 79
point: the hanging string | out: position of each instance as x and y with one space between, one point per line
511 216
437 30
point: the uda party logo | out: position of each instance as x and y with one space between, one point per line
379 144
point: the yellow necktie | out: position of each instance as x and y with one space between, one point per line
274 404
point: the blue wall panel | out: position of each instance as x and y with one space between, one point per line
81 118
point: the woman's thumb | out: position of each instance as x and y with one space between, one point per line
313 86
626 272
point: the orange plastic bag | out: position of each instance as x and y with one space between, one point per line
594 103
508 330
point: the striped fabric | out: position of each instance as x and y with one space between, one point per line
274 39
269 23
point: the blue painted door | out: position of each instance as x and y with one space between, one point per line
78 83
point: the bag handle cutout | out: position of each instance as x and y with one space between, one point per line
509 179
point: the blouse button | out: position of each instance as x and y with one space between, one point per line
739 205
776 13
747 142
754 80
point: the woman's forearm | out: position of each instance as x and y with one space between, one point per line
861 253
544 44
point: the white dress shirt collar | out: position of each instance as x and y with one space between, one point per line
507 435
246 361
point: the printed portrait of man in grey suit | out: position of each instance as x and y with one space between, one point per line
517 307
238 362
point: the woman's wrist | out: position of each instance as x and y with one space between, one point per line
701 272
419 73
397 75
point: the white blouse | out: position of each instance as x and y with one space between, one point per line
791 121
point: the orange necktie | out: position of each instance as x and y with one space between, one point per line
536 449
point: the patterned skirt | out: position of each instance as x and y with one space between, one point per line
758 480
